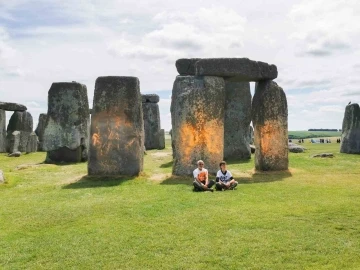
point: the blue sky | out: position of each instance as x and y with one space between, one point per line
313 43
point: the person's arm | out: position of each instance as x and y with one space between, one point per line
207 178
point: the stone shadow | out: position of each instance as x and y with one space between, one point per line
167 165
98 181
265 177
256 177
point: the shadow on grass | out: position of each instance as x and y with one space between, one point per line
98 181
264 177
167 165
178 180
256 177
239 161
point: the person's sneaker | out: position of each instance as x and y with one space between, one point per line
211 189
233 186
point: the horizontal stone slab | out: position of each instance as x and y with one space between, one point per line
186 66
9 106
236 69
150 98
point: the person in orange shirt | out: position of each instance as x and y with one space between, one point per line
201 178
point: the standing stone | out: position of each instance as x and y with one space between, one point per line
66 131
151 115
197 114
251 135
237 120
40 130
161 136
23 122
236 69
350 138
13 142
32 144
117 127
2 131
270 120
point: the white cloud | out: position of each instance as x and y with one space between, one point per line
81 40
324 28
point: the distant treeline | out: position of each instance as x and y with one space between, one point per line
313 134
323 129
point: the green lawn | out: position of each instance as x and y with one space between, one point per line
54 217
313 134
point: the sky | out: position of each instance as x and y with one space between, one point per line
315 45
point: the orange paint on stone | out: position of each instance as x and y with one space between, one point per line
114 125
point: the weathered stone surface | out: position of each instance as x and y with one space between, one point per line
67 122
295 148
270 120
151 115
186 66
117 127
2 131
236 69
323 155
15 154
237 120
150 98
161 137
350 137
23 122
197 114
40 129
32 144
9 106
2 177
13 142
251 135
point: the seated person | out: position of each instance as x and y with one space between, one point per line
201 178
224 178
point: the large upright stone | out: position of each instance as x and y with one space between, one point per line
236 69
117 127
237 120
66 131
150 98
197 114
23 122
32 144
9 106
270 120
186 66
151 115
350 138
13 142
2 131
251 135
161 137
40 130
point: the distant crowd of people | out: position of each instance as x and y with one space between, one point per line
320 141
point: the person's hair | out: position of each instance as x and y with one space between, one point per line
199 161
222 163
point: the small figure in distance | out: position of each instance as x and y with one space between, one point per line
224 178
201 178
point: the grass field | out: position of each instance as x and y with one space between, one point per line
313 134
54 217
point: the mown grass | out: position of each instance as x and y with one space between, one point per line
54 217
313 134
